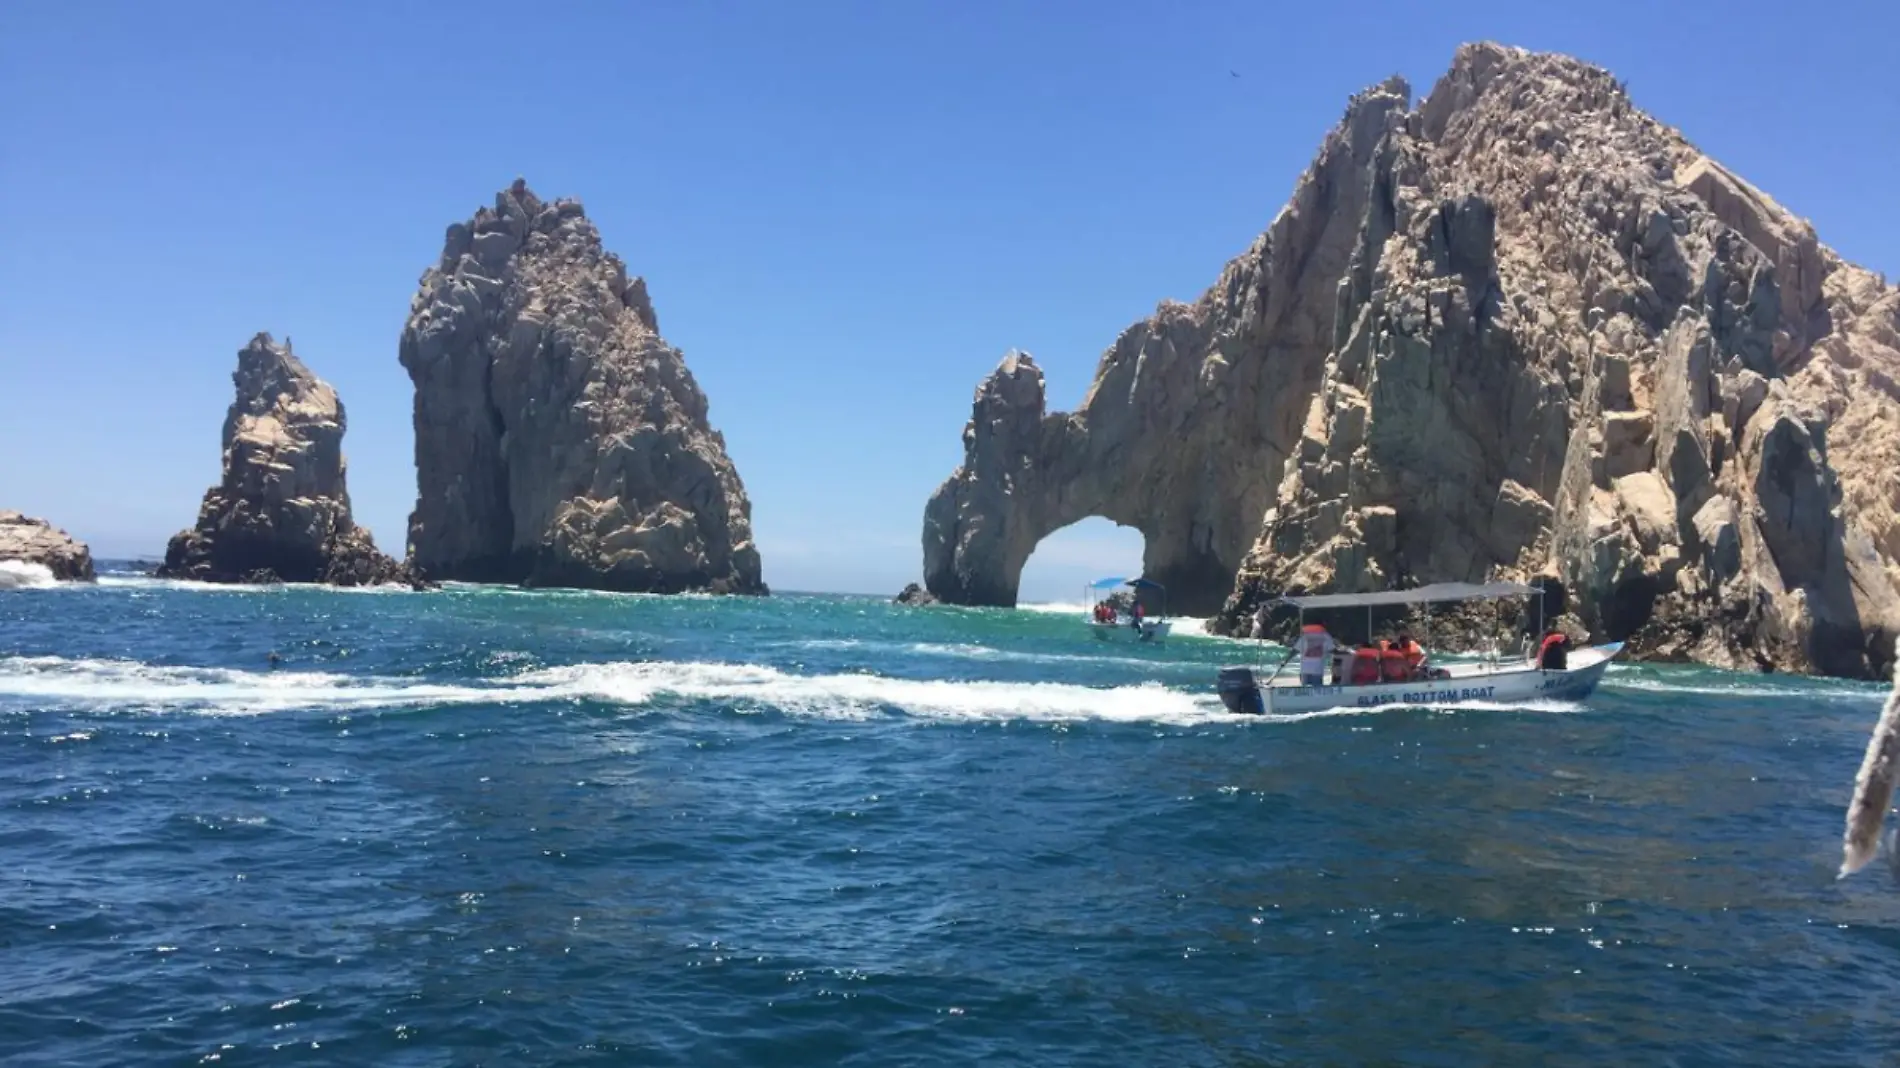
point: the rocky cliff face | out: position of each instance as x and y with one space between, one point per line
1558 340
560 441
281 510
1192 415
35 541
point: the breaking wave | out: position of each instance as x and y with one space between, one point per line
21 575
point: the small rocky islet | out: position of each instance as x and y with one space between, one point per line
36 542
1516 329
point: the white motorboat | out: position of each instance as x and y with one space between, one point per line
1108 621
1507 680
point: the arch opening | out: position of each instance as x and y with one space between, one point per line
1066 561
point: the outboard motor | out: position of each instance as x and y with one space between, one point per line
1240 693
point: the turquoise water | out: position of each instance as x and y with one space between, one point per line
491 826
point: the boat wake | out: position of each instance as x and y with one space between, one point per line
1184 626
35 683
1814 690
976 651
28 683
21 575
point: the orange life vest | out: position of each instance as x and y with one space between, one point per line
1396 668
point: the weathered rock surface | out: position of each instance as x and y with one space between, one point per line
914 595
560 441
281 510
1191 418
1522 329
1555 291
35 541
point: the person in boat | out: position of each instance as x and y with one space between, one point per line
1413 654
1139 614
1393 666
1366 669
1553 654
1316 648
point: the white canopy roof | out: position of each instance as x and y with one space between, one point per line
1437 591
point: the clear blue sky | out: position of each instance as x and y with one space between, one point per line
846 213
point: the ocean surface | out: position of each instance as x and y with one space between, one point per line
487 826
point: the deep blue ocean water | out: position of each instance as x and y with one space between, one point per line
486 826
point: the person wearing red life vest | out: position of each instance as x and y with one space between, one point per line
1413 653
1365 665
1315 647
1393 666
1554 653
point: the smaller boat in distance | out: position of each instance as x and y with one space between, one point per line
1368 676
1122 615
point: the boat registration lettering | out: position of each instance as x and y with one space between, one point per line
1425 697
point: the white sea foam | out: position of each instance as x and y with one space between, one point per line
21 575
968 651
147 582
1184 626
129 685
133 685
121 685
1818 690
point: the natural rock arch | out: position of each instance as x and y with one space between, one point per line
1521 330
1192 415
1027 474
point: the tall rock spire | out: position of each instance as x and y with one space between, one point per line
281 508
560 441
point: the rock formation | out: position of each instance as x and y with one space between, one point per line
35 541
560 441
1521 330
914 595
281 510
1192 415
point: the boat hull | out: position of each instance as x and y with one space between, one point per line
1503 684
1124 632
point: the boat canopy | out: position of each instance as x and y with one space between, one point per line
1138 583
1437 591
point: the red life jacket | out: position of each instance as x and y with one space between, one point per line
1396 669
1365 666
1556 641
